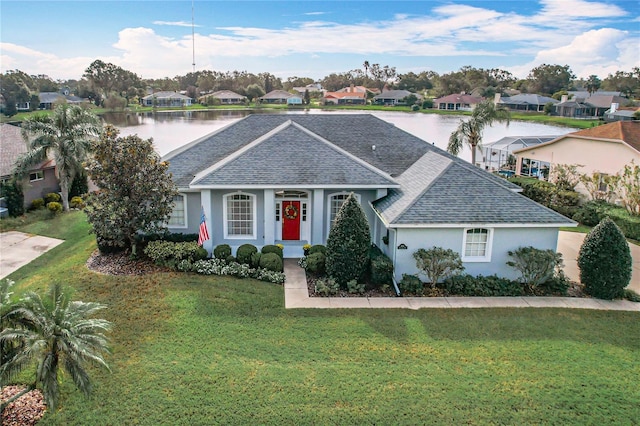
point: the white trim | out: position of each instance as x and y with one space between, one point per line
225 216
485 225
37 172
488 246
186 215
295 186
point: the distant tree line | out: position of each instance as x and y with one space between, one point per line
109 85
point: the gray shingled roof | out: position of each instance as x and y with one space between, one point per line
295 157
354 133
12 146
460 195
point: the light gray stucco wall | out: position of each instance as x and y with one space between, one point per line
504 240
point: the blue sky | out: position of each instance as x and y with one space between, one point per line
314 39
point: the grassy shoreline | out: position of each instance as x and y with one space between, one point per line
533 117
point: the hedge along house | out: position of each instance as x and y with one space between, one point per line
282 178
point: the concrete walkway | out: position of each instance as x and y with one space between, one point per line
17 249
296 294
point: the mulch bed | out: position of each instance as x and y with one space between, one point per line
24 411
121 264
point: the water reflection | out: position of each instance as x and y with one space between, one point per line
171 130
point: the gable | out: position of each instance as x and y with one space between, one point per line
291 156
364 136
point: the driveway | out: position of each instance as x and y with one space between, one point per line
569 245
17 249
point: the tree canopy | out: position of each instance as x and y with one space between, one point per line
136 191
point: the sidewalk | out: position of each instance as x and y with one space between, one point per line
296 295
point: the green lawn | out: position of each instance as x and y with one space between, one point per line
191 350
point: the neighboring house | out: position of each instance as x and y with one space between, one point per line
525 102
495 155
226 97
42 178
620 114
590 107
280 97
345 98
48 99
166 99
313 89
394 97
457 102
605 149
282 178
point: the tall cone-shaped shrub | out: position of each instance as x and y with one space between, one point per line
605 261
348 244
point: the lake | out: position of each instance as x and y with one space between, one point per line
171 130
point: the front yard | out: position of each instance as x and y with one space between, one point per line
191 349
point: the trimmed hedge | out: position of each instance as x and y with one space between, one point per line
318 248
271 261
381 267
167 253
316 263
592 212
605 261
244 253
270 248
489 286
222 251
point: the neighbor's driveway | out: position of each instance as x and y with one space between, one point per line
569 245
17 249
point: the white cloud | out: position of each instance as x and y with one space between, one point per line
175 23
569 9
598 52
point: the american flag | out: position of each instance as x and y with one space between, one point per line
203 234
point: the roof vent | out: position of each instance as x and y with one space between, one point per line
373 147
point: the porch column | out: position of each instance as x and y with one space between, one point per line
317 217
269 216
207 206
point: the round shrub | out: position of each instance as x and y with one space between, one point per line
54 207
318 248
230 259
269 248
316 263
605 261
245 252
271 261
38 203
255 259
76 203
410 284
222 251
52 197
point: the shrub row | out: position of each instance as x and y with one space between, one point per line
592 212
271 257
170 254
564 202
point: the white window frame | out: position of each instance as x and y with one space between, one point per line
39 176
184 208
225 217
330 197
488 246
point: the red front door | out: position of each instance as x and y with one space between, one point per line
291 220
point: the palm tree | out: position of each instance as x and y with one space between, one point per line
470 131
366 68
66 135
54 332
